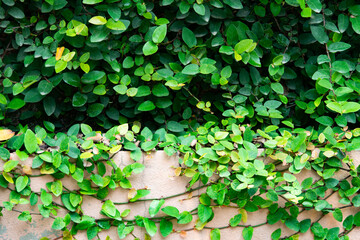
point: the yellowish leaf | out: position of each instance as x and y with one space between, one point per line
177 171
27 170
86 155
8 177
59 52
244 215
6 134
132 193
115 149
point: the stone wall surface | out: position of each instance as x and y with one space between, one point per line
159 177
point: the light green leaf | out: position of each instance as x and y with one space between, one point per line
21 182
150 48
159 34
115 25
98 20
146 106
30 141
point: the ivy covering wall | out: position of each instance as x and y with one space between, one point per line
212 80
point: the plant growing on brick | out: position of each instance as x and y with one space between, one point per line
212 80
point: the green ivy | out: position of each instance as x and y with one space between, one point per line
216 81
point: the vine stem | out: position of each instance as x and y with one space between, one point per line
167 197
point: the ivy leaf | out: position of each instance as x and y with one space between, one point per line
146 106
150 48
191 69
215 234
166 227
247 233
319 33
21 182
204 213
98 20
339 47
355 23
159 34
58 223
150 227
30 141
189 37
171 211
155 207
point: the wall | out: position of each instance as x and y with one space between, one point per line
159 177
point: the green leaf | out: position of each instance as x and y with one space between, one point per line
348 222
340 66
315 5
45 87
159 34
199 9
155 207
159 90
16 13
235 4
98 20
171 211
355 23
339 47
189 37
306 13
276 234
140 194
21 182
92 77
95 109
146 106
235 220
150 48
30 141
58 223
175 126
191 69
60 66
215 234
9 165
350 107
325 120
115 25
16 103
166 227
247 233
91 2
337 214
185 218
356 201
204 213
243 45
150 227
319 33
45 197
79 99
57 188
343 22
109 208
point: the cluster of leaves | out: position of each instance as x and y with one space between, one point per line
225 161
119 61
214 80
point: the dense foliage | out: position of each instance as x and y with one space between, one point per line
214 80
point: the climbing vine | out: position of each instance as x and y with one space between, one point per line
248 95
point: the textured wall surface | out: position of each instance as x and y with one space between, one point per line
159 177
